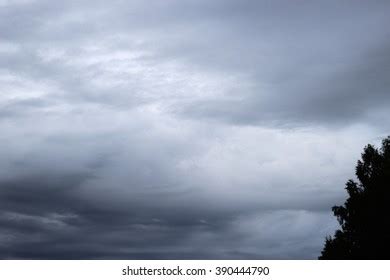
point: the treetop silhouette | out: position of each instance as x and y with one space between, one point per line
365 216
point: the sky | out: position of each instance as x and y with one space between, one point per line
184 129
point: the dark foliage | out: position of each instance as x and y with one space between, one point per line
365 216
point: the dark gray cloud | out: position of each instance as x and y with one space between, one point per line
46 218
184 129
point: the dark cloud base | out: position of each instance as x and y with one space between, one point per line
44 217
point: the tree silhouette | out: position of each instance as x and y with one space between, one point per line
365 215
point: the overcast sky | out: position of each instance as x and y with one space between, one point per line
184 129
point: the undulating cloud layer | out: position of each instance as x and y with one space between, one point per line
184 129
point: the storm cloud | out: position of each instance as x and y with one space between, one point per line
184 129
